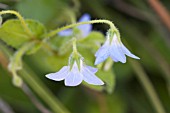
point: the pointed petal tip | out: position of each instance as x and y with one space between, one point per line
96 62
134 56
92 69
85 17
71 84
90 77
50 76
95 54
123 62
46 75
118 59
137 58
102 83
98 82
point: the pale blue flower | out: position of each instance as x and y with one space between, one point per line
115 49
74 75
85 29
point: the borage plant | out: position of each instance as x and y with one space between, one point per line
90 48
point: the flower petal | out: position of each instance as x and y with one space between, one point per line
67 32
102 56
86 28
74 78
117 54
114 58
128 53
92 69
102 48
103 53
91 78
60 75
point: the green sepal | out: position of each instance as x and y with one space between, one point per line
75 57
111 32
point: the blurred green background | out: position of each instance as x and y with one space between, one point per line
141 86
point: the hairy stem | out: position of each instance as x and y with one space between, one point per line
52 33
20 18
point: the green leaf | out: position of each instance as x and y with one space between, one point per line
93 40
64 43
14 35
43 10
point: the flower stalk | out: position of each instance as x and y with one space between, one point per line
37 86
52 33
20 18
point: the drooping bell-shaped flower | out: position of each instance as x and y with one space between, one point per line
114 48
84 29
75 73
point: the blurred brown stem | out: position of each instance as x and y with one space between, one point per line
161 11
129 9
102 102
101 99
4 62
36 102
3 6
4 107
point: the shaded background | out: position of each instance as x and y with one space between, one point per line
141 86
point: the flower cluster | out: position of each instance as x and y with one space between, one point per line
77 71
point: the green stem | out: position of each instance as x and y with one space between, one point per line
20 18
74 46
52 33
148 87
16 62
43 92
38 87
16 59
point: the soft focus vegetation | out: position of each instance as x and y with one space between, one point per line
138 86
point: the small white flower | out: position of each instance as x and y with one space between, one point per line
115 49
74 75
